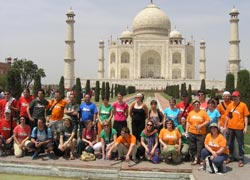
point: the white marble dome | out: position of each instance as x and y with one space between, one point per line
126 34
175 34
151 20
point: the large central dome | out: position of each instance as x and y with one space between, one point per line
151 20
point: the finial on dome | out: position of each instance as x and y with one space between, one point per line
151 1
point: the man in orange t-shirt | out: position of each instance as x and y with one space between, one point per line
197 121
236 123
222 107
126 145
56 106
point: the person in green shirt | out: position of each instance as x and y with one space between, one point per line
105 113
184 138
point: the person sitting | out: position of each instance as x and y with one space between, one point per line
108 138
7 124
67 140
21 137
149 141
41 139
215 147
126 146
170 139
89 138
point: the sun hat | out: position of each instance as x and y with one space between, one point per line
226 93
213 125
67 117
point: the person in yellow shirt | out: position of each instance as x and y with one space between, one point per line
236 123
197 121
215 147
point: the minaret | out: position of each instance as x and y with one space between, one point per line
69 58
202 60
101 60
234 58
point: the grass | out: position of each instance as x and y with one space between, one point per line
247 141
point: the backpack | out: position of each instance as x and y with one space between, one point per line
210 166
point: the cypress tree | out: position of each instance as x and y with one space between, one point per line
203 85
97 91
107 90
61 87
78 91
87 87
112 91
230 83
37 84
190 92
103 90
243 83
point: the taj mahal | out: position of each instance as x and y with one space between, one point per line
152 55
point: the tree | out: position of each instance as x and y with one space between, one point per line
183 88
190 92
112 91
14 82
37 84
97 91
27 71
3 81
107 90
103 90
243 84
87 87
230 83
61 87
203 85
78 91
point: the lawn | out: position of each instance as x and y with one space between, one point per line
247 141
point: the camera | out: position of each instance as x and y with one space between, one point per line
230 115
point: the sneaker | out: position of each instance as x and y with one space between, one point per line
202 168
34 156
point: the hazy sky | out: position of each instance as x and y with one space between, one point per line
35 30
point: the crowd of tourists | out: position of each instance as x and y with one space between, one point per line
200 131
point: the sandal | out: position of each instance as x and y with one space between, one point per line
241 164
194 162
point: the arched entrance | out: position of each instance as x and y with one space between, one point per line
151 65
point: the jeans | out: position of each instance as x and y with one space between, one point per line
218 161
232 133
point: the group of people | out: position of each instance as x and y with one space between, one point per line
182 131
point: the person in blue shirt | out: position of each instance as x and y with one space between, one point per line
212 112
88 112
172 112
41 139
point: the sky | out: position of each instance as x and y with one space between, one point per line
36 29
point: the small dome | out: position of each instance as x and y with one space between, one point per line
151 20
70 12
202 41
234 11
126 34
175 34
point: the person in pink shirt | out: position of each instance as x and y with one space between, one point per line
21 137
120 114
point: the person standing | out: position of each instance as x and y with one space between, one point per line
8 102
139 113
56 109
197 122
23 104
37 108
212 112
172 112
120 114
222 107
202 98
105 114
88 112
184 106
236 123
72 109
155 116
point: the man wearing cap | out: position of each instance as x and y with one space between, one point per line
222 107
184 106
6 133
236 124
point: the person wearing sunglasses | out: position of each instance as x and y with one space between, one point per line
149 142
